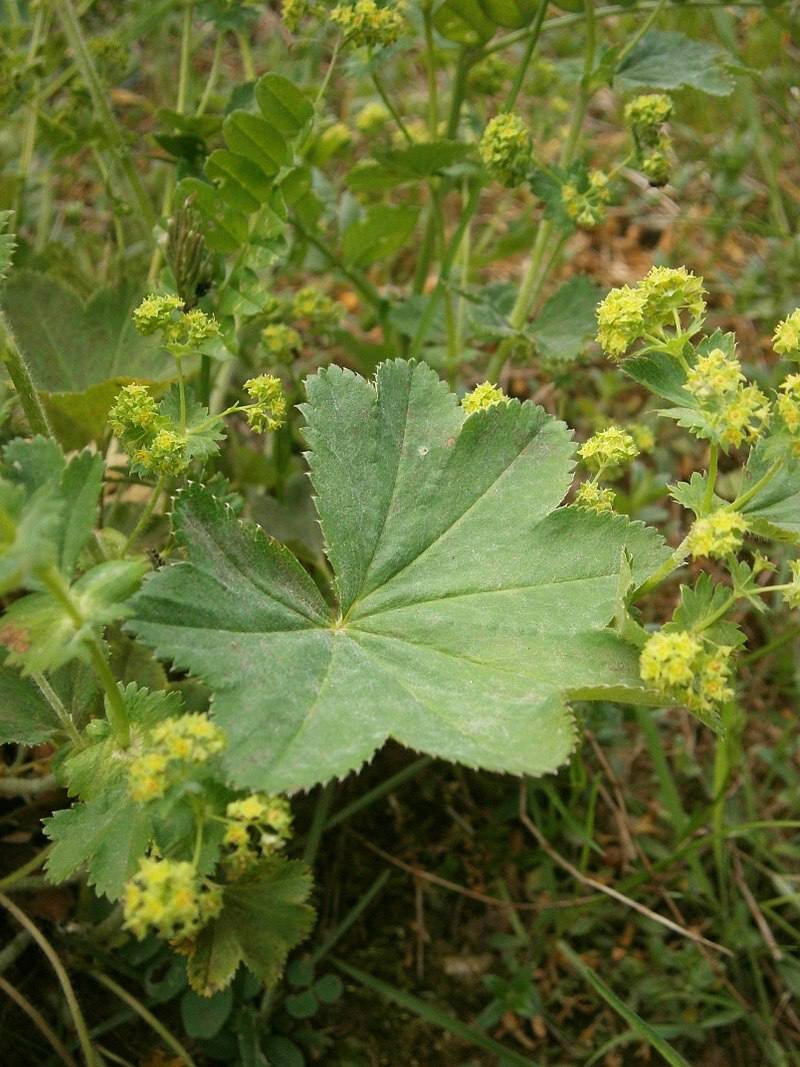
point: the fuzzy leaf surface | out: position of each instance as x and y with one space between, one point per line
468 606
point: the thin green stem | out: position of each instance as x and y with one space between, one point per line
530 48
56 585
147 1016
31 118
381 790
67 15
713 467
186 54
352 916
536 274
61 974
320 818
430 66
755 488
246 53
55 702
146 514
634 38
20 375
33 864
180 108
364 287
213 74
449 258
392 109
665 570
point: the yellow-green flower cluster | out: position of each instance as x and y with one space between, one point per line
788 403
280 340
786 340
153 446
648 110
268 412
167 897
316 308
792 594
608 449
643 436
364 23
672 289
134 410
483 396
164 454
257 826
714 375
587 207
620 320
186 739
489 75
157 313
181 331
717 535
294 11
688 669
645 116
632 313
505 148
734 412
372 117
592 497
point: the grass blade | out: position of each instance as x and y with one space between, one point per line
643 1029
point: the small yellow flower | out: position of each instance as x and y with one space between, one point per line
268 412
786 340
505 148
788 403
372 117
134 410
717 535
483 396
714 375
167 896
669 659
620 320
608 448
792 595
367 24
590 497
648 110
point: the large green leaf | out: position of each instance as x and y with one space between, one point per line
79 354
264 915
664 59
468 606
